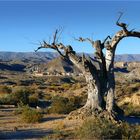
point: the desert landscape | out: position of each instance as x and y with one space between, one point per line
69 70
55 95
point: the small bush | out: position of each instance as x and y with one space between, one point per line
7 99
48 97
16 98
95 128
19 109
130 110
62 105
58 105
29 115
33 101
21 96
77 101
130 132
6 90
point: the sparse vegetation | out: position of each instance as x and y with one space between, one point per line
99 128
63 105
130 110
7 99
63 95
60 105
95 128
33 101
130 132
29 115
21 96
127 88
5 90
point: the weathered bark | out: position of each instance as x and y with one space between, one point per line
110 80
94 99
110 54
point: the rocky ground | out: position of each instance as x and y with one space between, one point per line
127 96
12 128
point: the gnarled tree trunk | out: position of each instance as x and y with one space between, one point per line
94 99
100 80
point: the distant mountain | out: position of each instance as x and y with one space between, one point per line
41 57
60 65
28 57
128 58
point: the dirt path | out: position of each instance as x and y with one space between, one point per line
34 133
9 121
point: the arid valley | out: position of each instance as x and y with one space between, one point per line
55 88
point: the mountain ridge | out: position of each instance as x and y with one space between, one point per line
47 56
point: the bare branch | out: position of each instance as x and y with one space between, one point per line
54 44
55 35
80 39
108 37
121 24
66 50
60 33
44 46
121 13
134 34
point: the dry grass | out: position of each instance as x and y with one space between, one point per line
9 121
54 124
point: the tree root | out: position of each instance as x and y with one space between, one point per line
81 113
84 112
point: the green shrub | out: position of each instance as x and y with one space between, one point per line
21 96
61 105
19 109
130 132
24 96
130 110
48 97
29 115
66 86
33 100
7 99
58 105
16 98
95 128
76 101
6 90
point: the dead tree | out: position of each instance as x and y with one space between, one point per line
100 80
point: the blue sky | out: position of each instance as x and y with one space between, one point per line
24 23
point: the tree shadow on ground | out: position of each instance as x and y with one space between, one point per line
25 134
132 119
51 119
123 70
13 67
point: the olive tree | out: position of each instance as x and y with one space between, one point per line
98 71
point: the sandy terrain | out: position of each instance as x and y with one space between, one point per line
9 122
